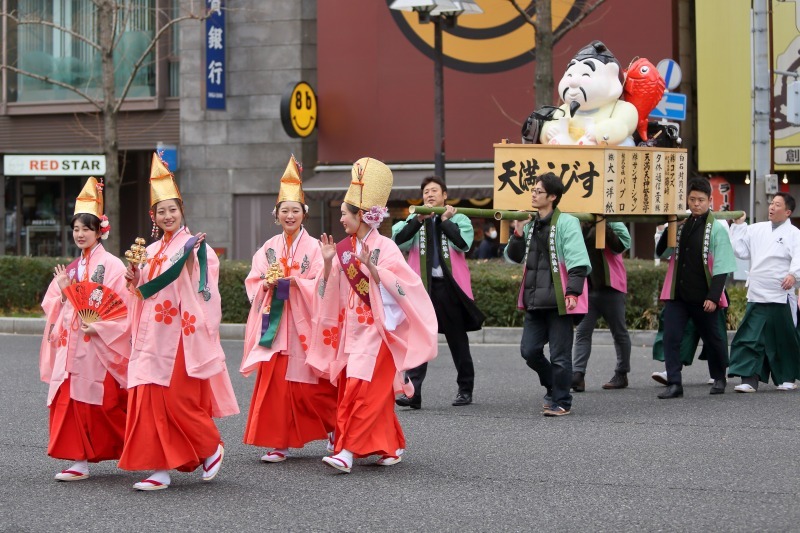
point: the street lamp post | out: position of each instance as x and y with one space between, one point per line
438 99
441 13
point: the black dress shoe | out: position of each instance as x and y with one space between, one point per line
718 387
462 398
404 401
578 382
673 391
619 381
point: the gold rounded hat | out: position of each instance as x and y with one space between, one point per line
370 185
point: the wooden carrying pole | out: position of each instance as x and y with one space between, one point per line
583 217
600 220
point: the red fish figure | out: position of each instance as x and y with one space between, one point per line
643 88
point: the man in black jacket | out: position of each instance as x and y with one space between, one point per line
556 265
436 246
698 268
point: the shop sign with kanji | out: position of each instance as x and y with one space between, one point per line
596 179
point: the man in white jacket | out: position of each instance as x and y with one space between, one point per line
766 342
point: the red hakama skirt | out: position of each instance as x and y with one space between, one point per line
170 427
286 414
366 423
86 432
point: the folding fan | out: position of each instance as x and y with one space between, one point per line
95 302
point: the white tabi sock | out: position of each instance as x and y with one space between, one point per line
346 455
162 476
80 466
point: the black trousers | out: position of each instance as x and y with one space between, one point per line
676 314
546 326
451 316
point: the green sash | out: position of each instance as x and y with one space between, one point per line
159 282
275 313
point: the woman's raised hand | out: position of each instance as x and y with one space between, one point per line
201 237
327 247
364 255
60 275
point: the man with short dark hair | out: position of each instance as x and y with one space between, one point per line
436 247
693 288
766 342
553 288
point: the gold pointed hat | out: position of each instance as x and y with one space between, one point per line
291 189
90 200
162 182
370 185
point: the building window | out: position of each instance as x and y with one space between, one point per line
59 55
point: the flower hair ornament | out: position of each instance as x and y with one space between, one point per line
375 216
105 227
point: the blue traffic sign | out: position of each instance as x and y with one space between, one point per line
671 72
671 107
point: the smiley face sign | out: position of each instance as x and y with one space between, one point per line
299 110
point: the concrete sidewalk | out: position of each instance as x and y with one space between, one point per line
507 336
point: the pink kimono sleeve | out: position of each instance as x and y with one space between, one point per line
255 292
52 306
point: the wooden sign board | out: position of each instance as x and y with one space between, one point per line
597 179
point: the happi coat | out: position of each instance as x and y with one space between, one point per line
718 257
567 251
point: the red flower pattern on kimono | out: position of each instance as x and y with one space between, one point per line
331 338
187 323
62 339
364 315
165 312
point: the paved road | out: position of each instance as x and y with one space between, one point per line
623 461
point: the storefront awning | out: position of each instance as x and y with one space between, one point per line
461 183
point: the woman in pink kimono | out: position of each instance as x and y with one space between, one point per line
85 364
374 319
177 375
291 406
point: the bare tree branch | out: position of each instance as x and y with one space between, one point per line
585 12
93 101
47 23
530 20
503 111
114 26
153 124
83 129
121 98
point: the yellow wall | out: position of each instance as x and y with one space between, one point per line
724 107
724 116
